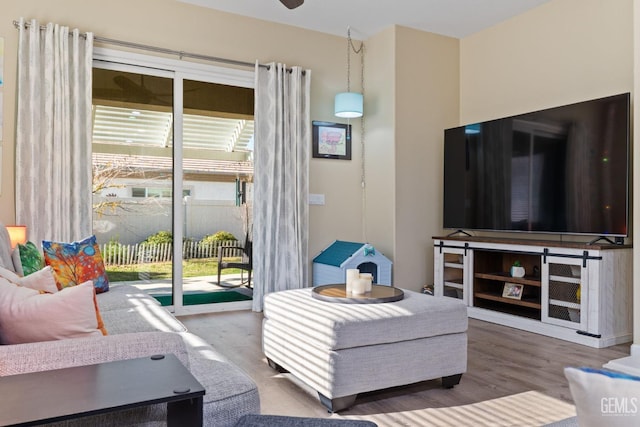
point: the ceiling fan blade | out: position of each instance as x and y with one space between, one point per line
292 4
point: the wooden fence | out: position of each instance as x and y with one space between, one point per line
118 254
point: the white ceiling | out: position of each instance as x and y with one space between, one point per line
454 18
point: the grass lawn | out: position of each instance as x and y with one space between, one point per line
162 270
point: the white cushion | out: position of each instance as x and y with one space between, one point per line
26 315
42 280
604 398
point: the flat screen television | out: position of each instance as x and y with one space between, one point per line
560 170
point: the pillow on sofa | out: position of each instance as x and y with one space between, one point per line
42 280
77 262
27 259
27 315
604 398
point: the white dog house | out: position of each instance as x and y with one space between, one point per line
331 265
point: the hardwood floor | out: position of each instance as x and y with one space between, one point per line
501 362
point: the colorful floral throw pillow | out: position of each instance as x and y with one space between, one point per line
77 262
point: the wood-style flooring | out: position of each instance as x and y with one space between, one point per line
501 362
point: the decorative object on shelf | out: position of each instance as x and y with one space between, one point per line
17 234
350 104
512 290
331 140
517 270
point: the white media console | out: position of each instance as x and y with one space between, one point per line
572 291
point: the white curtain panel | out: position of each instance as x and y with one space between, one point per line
53 136
281 180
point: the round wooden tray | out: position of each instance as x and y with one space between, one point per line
338 293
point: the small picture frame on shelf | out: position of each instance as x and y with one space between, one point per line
512 290
331 140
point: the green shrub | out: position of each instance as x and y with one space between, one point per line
159 238
218 237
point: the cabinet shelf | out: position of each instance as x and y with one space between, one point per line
523 302
454 284
567 304
505 277
454 265
564 279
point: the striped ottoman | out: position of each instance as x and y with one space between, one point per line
341 349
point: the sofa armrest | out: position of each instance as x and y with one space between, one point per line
42 356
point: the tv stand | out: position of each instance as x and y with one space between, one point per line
575 291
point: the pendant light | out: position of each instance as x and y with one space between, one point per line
350 104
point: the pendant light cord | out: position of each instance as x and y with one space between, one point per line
359 50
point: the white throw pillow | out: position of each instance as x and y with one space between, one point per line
27 315
604 398
41 280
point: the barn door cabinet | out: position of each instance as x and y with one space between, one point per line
573 291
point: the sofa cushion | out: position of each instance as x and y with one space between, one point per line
124 296
42 280
27 259
604 398
231 393
76 262
336 325
27 315
44 356
144 318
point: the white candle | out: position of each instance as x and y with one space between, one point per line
352 273
358 286
368 277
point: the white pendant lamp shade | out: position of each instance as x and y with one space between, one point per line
348 105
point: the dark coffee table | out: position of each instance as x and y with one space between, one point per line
62 394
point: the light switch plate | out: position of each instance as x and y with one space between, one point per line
316 199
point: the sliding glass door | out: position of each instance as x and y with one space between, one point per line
171 149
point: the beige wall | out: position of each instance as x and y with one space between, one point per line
380 117
561 52
427 73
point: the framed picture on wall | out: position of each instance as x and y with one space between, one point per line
331 140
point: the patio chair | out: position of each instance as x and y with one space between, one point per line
245 264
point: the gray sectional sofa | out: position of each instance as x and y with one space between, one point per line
138 326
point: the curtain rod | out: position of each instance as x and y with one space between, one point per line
178 53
